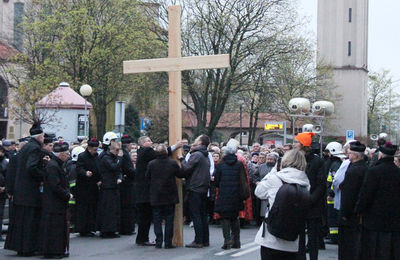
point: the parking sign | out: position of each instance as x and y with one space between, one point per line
349 135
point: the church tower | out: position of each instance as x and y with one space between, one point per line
343 44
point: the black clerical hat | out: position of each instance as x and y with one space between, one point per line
36 129
126 139
48 138
60 147
93 142
388 149
357 147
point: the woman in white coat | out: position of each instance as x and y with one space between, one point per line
293 167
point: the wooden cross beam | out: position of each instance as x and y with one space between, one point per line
174 64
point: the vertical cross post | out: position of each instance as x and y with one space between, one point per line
175 109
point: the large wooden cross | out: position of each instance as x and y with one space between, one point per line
174 64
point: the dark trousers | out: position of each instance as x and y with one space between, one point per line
228 225
144 213
349 242
166 212
268 253
210 208
313 233
198 211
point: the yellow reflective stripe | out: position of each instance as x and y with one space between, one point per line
72 184
329 179
334 231
72 202
330 202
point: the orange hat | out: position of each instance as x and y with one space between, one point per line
305 138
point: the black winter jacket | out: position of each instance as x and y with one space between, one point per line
350 188
379 201
30 173
56 188
316 175
228 181
145 155
161 174
197 170
110 170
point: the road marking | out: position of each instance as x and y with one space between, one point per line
246 251
225 252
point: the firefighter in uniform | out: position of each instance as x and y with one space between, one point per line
72 175
335 160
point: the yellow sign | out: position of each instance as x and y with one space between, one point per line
276 126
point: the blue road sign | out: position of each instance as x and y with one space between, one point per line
145 123
349 135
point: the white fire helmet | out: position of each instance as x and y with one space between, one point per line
75 152
335 149
108 137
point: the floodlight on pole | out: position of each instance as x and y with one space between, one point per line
86 90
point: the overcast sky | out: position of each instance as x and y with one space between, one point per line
384 33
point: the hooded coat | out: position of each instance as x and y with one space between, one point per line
228 181
266 190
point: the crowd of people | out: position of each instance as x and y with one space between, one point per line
347 195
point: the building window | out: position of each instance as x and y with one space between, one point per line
18 17
349 49
350 15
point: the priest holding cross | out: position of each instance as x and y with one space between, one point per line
174 64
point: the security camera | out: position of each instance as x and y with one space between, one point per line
299 105
325 108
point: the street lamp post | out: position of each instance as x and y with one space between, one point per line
86 91
241 130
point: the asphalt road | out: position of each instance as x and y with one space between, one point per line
124 248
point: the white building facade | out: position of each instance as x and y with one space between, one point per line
343 44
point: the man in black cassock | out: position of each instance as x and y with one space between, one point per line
109 204
127 225
23 231
379 206
349 221
55 205
87 191
10 178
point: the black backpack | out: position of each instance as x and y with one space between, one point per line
286 219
